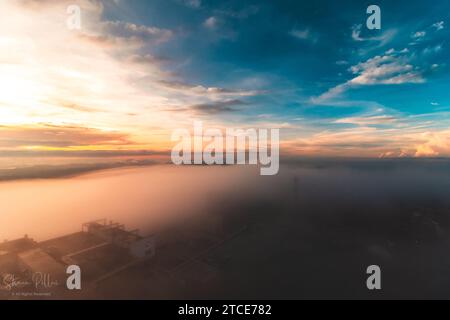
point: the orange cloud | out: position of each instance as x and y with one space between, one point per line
48 136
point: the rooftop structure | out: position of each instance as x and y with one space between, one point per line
37 260
115 233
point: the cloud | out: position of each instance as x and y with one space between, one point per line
385 69
419 34
213 107
52 74
435 49
434 144
211 23
218 107
147 59
361 141
192 3
304 34
392 51
356 33
109 75
143 33
438 25
220 28
76 107
370 43
367 121
366 141
191 89
383 39
388 69
300 34
238 14
117 82
41 136
373 135
82 153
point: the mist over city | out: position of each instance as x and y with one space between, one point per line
228 150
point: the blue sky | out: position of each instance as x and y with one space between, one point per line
313 62
311 68
299 50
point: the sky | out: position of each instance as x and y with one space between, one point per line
137 70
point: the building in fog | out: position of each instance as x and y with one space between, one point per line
115 233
